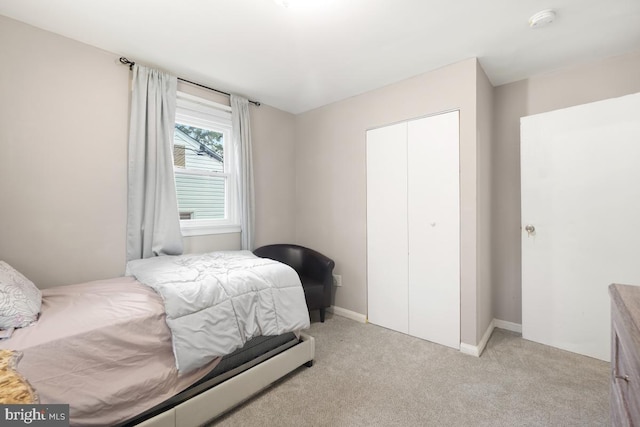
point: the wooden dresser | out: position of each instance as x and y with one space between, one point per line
625 355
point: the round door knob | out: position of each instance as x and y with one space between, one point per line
529 228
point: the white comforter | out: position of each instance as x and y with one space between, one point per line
216 302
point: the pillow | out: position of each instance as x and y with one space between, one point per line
19 299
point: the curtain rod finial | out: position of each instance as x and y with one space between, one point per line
125 61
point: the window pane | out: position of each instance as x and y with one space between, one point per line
200 197
203 148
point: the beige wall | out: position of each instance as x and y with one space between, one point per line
64 114
484 140
572 86
63 123
331 175
274 171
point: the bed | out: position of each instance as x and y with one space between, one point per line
105 348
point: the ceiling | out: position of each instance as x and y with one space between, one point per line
319 51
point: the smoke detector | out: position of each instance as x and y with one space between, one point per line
542 18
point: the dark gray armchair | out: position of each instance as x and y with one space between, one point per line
315 271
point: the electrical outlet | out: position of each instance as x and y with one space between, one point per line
337 280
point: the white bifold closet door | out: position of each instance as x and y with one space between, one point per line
387 238
413 228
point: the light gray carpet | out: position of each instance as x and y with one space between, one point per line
365 375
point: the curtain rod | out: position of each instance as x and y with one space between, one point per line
125 61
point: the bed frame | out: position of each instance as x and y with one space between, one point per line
212 398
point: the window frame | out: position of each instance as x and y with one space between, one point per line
198 112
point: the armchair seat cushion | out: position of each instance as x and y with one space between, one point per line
314 269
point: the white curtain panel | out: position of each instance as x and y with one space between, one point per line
244 166
153 222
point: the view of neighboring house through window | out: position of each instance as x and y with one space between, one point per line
203 158
199 161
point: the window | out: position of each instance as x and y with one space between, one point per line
203 165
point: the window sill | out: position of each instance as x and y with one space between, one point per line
203 230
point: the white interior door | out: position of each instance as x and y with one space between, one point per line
434 228
581 193
387 243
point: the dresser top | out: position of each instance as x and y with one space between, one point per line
627 299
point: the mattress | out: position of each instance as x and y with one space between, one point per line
252 350
104 348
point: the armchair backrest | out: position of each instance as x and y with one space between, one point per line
305 261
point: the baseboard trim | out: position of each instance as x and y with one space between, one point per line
472 350
469 349
343 312
476 350
509 326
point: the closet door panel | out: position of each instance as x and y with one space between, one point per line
387 227
434 229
